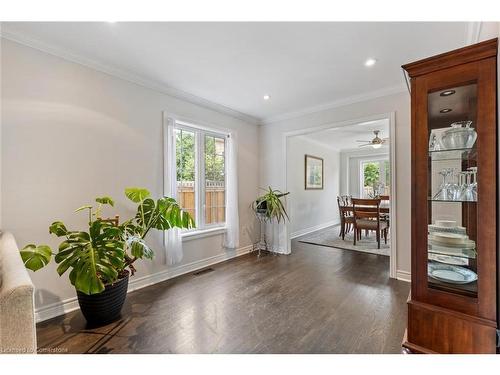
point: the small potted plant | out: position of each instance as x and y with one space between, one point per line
270 205
101 258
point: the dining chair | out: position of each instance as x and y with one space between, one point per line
346 218
385 217
366 214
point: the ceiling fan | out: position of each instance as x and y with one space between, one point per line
375 142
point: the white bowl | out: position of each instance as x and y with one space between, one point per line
460 135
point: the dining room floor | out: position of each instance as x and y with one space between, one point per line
316 300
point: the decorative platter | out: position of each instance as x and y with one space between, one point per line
451 274
446 259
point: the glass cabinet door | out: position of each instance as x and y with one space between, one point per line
452 190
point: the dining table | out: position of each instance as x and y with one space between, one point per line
384 208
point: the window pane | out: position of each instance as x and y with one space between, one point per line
215 180
185 161
371 178
387 188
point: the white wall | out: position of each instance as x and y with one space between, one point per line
272 171
71 133
311 209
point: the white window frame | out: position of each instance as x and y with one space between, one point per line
374 159
202 229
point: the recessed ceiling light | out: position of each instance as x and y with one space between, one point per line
445 110
370 62
447 93
267 97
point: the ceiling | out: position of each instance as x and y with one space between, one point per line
301 65
345 137
461 105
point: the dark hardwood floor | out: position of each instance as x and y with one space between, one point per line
317 300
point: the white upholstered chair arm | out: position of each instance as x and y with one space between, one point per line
17 310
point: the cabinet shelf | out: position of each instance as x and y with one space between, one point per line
449 201
453 154
469 290
452 251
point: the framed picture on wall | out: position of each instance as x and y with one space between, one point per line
313 172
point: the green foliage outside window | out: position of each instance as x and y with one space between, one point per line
214 158
371 173
185 155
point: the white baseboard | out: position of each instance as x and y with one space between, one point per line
403 276
313 229
71 304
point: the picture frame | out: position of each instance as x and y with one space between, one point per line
313 173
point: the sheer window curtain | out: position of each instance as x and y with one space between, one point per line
232 235
172 237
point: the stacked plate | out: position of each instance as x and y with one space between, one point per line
454 240
448 226
449 251
437 228
449 259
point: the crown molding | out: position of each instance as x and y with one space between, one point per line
124 75
335 104
472 36
473 32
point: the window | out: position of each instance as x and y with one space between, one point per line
375 178
201 174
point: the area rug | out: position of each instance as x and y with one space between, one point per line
330 237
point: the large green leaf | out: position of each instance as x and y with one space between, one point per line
172 215
146 212
95 257
163 214
139 248
36 257
87 279
136 194
58 228
105 200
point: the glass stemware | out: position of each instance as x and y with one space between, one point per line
444 190
474 181
469 190
434 144
461 186
454 188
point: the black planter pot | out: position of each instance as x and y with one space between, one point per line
104 307
262 208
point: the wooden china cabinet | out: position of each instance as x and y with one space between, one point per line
453 305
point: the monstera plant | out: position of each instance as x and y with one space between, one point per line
101 258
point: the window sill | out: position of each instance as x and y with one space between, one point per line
202 233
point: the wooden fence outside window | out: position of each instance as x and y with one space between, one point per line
215 200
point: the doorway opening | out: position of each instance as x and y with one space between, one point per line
358 162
